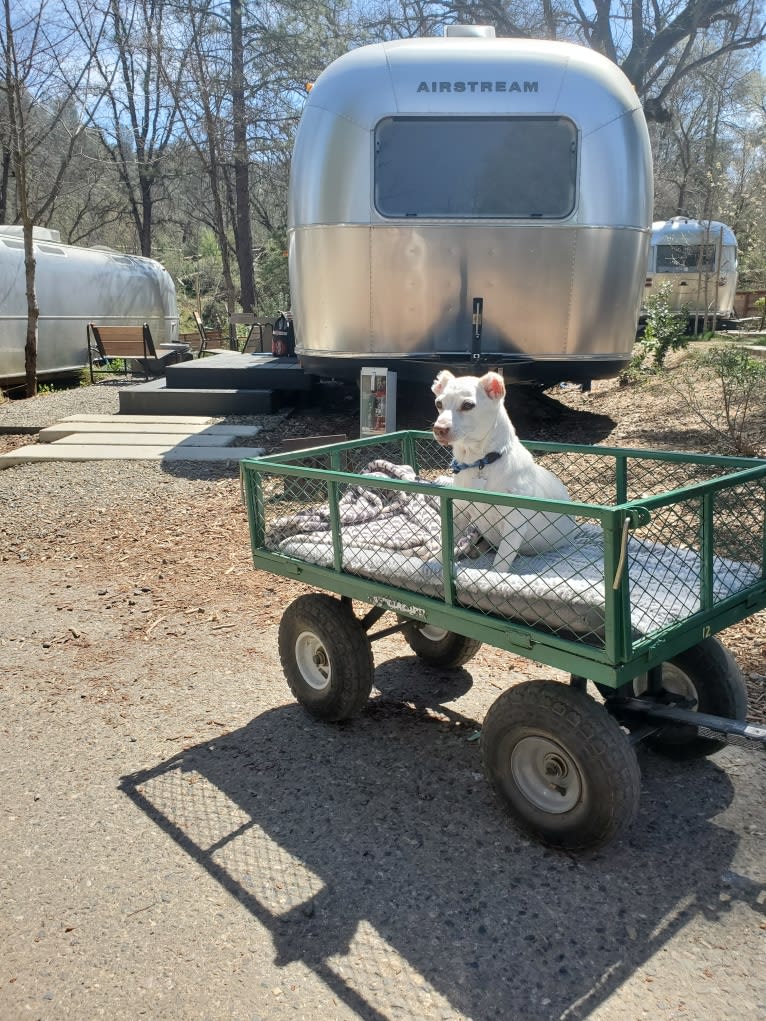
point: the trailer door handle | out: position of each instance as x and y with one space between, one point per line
477 318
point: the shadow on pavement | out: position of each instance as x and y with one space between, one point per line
374 853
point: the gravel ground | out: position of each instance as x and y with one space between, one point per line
180 841
50 408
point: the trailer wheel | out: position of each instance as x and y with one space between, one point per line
326 656
438 647
708 675
563 768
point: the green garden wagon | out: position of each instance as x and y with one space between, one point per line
667 550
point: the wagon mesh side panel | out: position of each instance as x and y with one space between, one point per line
589 478
694 554
648 476
432 459
295 509
738 515
358 458
664 567
391 536
567 602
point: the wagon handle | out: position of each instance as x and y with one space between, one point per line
623 554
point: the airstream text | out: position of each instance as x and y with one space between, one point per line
478 87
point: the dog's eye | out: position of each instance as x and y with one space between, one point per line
438 405
467 406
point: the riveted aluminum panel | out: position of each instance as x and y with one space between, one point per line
408 290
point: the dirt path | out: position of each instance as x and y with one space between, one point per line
181 841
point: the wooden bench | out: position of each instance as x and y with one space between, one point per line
126 344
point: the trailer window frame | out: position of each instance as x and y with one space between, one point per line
679 257
426 141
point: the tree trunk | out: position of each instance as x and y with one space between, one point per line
242 232
5 176
33 310
218 214
147 206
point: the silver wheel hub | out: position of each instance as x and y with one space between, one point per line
674 681
433 633
313 661
546 775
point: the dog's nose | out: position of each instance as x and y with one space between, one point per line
441 431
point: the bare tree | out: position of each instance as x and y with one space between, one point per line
655 43
5 177
201 97
137 71
46 70
244 236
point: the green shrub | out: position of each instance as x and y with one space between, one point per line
740 382
665 329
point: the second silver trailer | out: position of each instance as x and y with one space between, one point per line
696 261
76 286
469 200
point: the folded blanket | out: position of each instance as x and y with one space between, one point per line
395 538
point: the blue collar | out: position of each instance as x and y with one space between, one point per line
494 455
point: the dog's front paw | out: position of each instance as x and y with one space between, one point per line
471 545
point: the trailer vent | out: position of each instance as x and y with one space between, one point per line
480 31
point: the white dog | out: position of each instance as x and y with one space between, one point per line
488 455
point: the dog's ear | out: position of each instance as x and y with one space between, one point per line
441 381
493 385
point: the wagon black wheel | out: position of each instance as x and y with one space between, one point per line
326 656
562 767
710 679
438 647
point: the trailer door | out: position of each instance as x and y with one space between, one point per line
467 206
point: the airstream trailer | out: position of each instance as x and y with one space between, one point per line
76 286
698 259
469 200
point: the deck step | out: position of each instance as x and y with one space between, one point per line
237 371
156 398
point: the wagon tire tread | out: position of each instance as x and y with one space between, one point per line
721 691
587 731
348 649
450 652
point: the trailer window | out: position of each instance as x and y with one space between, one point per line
514 167
685 258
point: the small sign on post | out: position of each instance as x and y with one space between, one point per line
377 406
